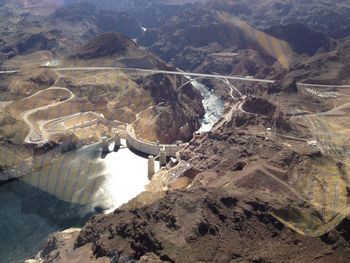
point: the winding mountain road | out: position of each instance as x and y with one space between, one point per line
35 136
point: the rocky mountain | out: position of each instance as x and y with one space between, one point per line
35 7
328 17
269 182
40 41
302 39
36 3
167 39
192 34
31 4
108 44
105 21
324 67
28 33
175 114
108 21
194 28
201 225
228 202
133 4
106 4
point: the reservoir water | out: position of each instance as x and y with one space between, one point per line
68 191
64 194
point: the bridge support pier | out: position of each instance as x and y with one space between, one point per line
162 157
151 167
117 140
105 145
178 157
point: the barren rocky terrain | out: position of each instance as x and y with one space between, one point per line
239 194
268 183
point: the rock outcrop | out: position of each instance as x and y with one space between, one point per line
210 225
176 115
40 41
107 44
259 106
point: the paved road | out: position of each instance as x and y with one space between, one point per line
337 111
234 107
223 54
57 121
194 74
9 72
33 131
239 107
182 73
322 85
233 88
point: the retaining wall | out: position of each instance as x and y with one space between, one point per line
84 124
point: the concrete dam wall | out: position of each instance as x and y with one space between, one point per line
151 148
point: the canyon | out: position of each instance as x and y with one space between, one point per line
255 93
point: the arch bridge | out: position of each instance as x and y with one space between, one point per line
223 80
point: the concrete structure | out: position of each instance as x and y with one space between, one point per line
162 157
84 124
151 167
51 64
65 146
157 71
105 145
312 143
178 157
117 140
323 94
9 72
151 148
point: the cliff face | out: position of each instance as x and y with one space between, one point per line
176 115
214 225
302 39
37 42
208 225
107 44
259 106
